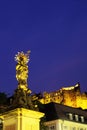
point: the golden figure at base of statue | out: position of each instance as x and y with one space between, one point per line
22 69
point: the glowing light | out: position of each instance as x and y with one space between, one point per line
22 69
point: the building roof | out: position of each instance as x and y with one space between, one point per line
55 111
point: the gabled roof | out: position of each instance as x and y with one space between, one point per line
55 111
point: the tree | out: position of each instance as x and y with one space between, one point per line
3 98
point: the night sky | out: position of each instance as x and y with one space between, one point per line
56 33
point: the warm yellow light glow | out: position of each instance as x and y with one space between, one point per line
22 58
70 96
21 119
22 69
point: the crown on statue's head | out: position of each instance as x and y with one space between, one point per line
22 58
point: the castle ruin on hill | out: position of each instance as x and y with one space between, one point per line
69 96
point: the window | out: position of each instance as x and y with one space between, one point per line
73 128
70 116
76 118
52 127
82 119
65 127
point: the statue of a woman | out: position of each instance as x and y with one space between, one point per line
22 69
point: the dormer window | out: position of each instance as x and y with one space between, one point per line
70 116
82 118
76 118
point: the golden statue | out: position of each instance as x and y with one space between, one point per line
22 69
22 96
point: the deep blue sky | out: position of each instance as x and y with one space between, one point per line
56 33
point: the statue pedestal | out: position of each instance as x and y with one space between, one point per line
21 119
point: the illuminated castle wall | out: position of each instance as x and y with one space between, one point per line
70 96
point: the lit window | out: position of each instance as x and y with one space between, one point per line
76 118
56 94
82 119
70 116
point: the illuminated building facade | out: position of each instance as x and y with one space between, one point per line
61 117
70 96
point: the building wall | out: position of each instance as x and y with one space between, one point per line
21 119
70 96
65 125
